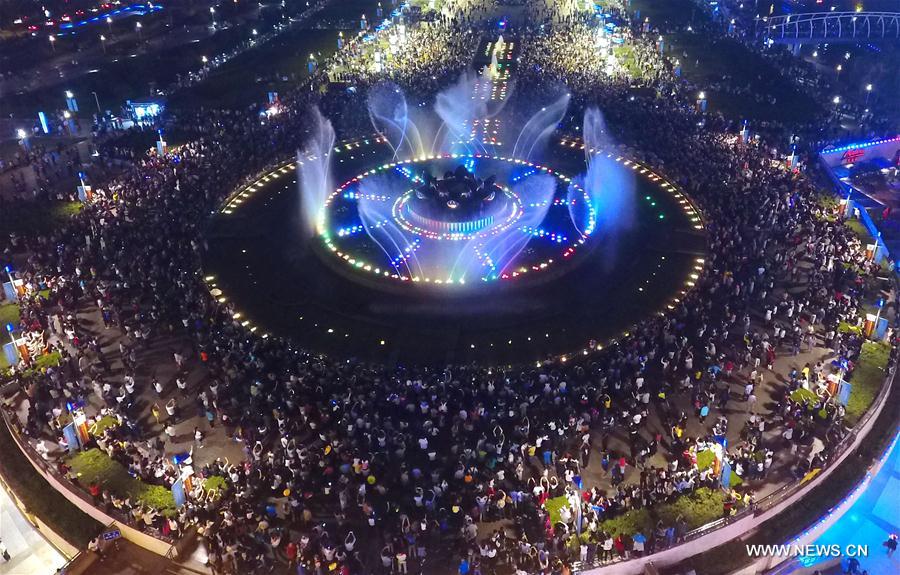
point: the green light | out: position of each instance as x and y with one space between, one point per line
661 216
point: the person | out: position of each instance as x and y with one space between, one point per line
4 552
891 544
94 546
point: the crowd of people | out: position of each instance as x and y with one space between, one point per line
350 467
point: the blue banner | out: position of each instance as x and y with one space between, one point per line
844 392
178 493
726 474
71 436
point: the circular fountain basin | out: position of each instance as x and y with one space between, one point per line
317 290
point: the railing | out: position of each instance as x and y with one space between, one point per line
48 471
830 25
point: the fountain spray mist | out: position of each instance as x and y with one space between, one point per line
610 184
314 171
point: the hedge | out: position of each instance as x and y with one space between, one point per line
553 505
867 378
41 499
697 508
94 465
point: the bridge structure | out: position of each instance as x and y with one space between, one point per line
830 27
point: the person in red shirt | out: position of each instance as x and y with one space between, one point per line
94 489
291 551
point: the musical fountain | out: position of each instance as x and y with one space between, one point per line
406 242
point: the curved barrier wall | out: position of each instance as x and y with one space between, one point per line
725 530
80 500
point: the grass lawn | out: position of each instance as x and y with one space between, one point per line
36 217
218 483
696 508
553 505
867 379
705 459
103 424
858 228
675 12
802 394
9 313
714 59
40 498
94 465
710 60
246 79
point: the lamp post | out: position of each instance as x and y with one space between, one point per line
138 27
868 93
53 43
97 101
103 42
109 24
212 14
22 135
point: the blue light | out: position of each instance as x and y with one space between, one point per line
860 145
10 328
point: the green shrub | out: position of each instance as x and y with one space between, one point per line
802 394
103 424
218 483
705 459
628 523
94 465
52 359
553 505
698 508
844 327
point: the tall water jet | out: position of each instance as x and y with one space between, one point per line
390 116
314 170
609 183
533 138
459 110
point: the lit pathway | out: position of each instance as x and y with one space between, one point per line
30 553
872 518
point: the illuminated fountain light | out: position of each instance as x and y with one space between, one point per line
420 247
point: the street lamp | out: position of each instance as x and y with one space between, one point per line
204 59
212 13
138 27
97 101
839 68
21 134
109 23
836 100
53 43
868 93
103 42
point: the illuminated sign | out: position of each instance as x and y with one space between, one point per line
852 156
